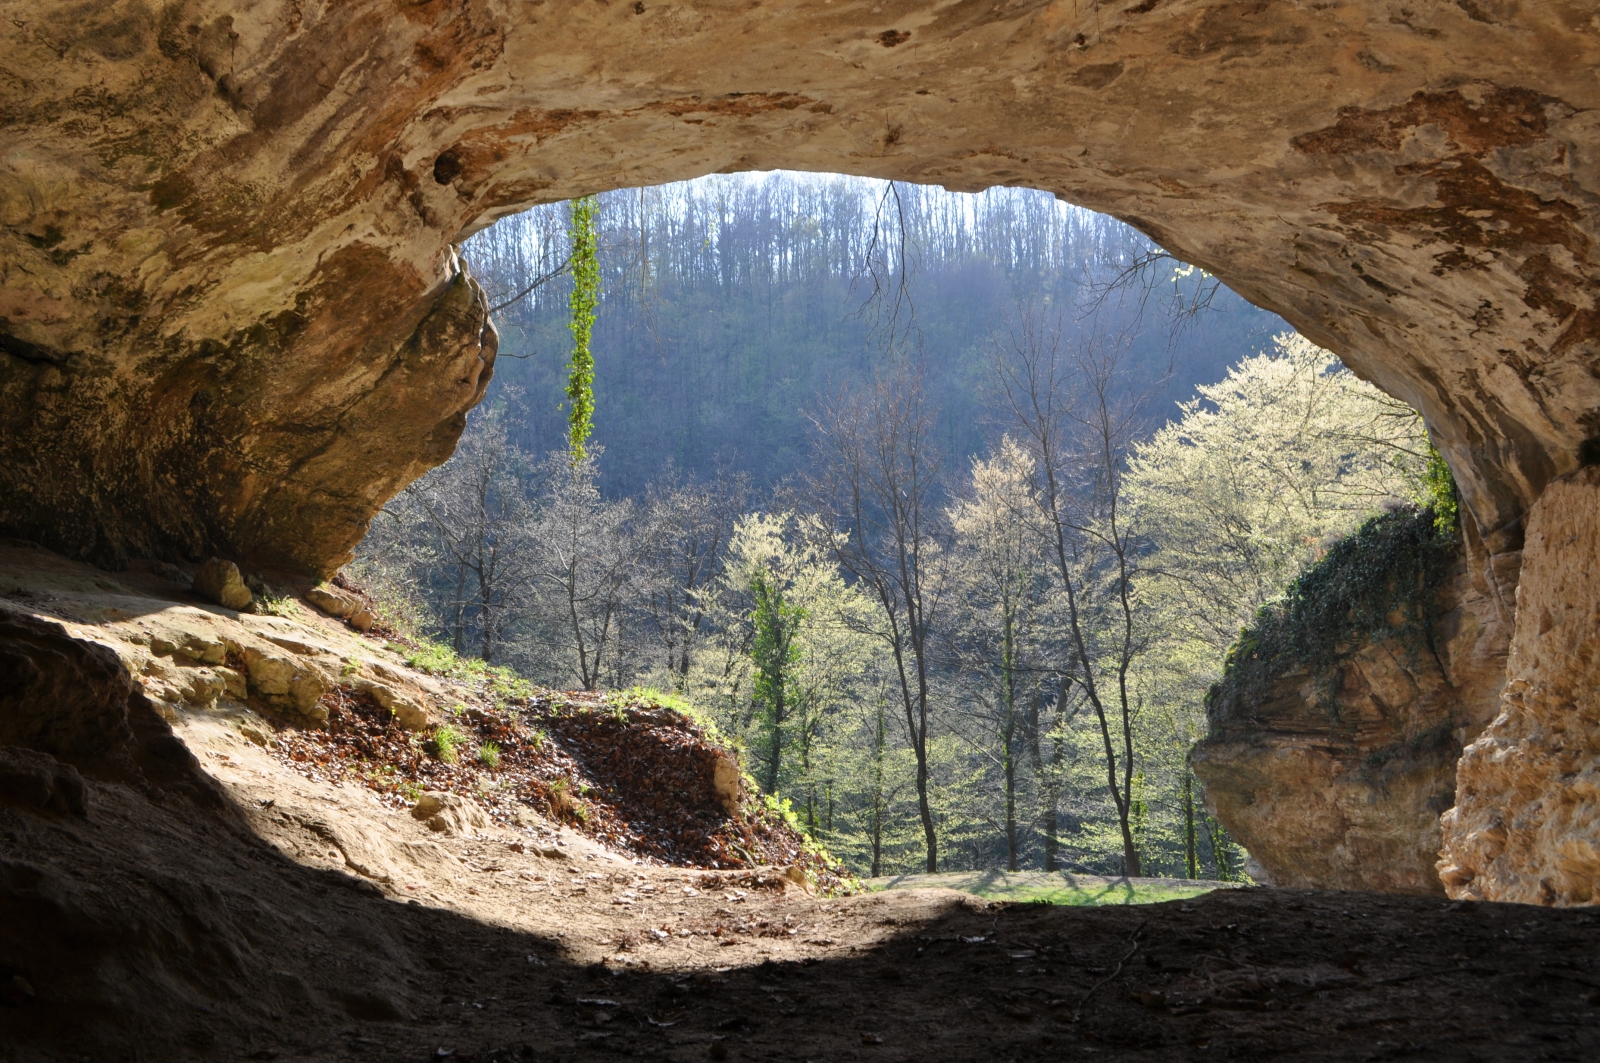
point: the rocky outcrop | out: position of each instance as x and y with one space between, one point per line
231 321
1526 825
1335 778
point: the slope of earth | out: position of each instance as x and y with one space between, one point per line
1054 887
208 897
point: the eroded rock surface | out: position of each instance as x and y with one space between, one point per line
232 322
1526 826
1346 793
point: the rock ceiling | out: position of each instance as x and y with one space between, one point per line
232 319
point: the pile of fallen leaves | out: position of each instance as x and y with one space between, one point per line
636 778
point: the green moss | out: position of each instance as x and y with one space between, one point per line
1380 583
1439 492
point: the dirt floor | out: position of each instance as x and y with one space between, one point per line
159 931
277 916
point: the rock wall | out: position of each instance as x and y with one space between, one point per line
1526 825
231 321
1347 794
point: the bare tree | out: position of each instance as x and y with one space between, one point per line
586 566
475 513
878 474
1063 401
683 541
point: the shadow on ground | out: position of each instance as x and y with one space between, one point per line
155 929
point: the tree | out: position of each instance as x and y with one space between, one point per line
877 473
684 542
471 515
775 654
800 630
998 577
1063 402
1258 473
586 568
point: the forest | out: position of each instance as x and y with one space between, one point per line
944 509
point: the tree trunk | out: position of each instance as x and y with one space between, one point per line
1190 856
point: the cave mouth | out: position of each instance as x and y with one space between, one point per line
233 322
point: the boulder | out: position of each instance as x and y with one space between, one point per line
449 813
286 681
335 601
220 582
1338 782
408 711
725 783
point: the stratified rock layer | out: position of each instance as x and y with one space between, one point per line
1347 795
1526 826
231 321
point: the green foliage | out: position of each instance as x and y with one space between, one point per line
1439 492
280 605
436 658
489 755
585 297
774 651
1380 583
447 742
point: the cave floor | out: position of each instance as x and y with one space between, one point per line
158 931
308 920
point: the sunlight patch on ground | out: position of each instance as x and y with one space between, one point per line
1056 887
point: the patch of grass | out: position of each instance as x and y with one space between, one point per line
489 755
283 606
1052 887
447 742
651 698
435 658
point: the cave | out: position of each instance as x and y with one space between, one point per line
233 321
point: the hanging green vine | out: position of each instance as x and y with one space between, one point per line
585 297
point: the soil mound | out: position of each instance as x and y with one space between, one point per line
634 775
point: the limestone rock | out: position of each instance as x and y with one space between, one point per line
286 681
408 711
1416 191
1348 796
334 601
75 701
220 581
448 813
1526 825
725 783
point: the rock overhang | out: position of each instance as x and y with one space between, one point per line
233 322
